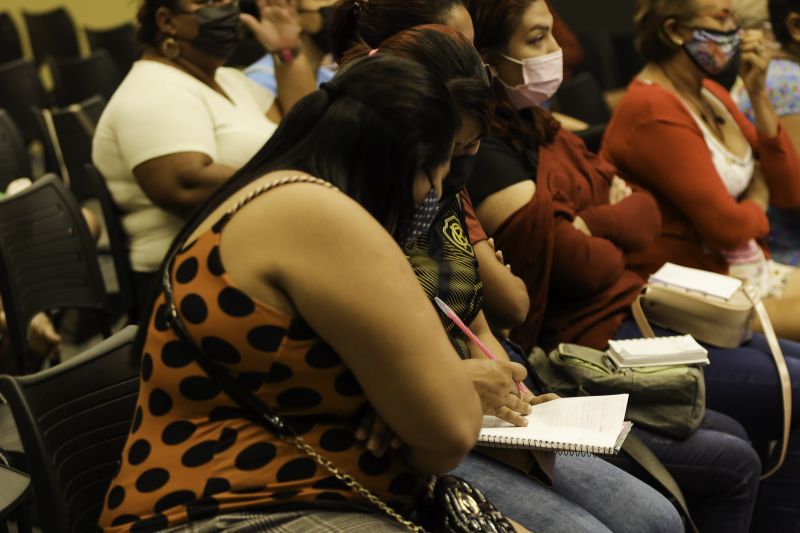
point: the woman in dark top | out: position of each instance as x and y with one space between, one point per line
445 265
565 221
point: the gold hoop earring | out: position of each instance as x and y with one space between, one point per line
170 48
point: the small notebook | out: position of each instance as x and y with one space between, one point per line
709 283
585 425
659 351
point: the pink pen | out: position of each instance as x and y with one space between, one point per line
468 332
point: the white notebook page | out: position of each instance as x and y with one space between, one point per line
588 421
693 279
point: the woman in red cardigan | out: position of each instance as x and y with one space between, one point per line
713 173
565 223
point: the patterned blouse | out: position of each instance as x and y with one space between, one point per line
192 454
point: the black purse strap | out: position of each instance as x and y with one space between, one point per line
246 399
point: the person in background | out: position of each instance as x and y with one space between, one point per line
314 17
713 200
565 221
445 265
783 88
180 124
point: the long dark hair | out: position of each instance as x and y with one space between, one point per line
368 132
373 21
495 21
448 54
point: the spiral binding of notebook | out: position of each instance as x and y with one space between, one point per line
561 448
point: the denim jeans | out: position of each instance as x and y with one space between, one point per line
743 383
590 496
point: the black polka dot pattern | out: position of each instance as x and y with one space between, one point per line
137 420
199 454
139 452
330 483
160 402
174 499
278 372
187 270
152 480
299 330
147 367
198 388
215 485
177 432
194 309
255 456
337 440
266 338
224 412
205 508
115 497
374 466
235 303
226 440
214 262
297 469
322 356
330 497
121 520
160 320
299 398
346 385
177 354
220 350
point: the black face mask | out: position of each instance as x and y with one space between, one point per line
461 169
322 39
219 30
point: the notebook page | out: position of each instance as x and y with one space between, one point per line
675 345
697 280
588 420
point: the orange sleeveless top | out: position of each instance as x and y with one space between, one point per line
193 454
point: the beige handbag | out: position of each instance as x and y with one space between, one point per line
719 322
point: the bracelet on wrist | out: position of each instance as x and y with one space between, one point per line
285 56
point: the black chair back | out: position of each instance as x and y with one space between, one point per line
47 261
14 161
68 136
122 295
21 89
73 420
10 44
77 78
120 42
51 33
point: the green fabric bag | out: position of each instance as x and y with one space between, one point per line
667 399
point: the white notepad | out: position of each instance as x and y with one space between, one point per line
693 279
584 425
659 351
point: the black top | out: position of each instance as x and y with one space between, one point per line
499 165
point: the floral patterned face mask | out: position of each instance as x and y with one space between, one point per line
712 51
423 217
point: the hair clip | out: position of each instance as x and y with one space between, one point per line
373 52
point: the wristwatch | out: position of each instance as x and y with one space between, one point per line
285 56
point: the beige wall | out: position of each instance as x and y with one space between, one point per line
91 13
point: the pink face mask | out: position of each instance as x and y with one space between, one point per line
542 77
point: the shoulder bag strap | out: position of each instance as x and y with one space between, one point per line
640 318
783 375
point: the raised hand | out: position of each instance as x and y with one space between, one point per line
279 25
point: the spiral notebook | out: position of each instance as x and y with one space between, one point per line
585 425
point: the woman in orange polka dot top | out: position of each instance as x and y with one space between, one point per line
302 293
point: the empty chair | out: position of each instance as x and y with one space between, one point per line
14 162
51 33
77 78
10 45
73 420
119 41
583 98
121 294
47 261
67 137
21 89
